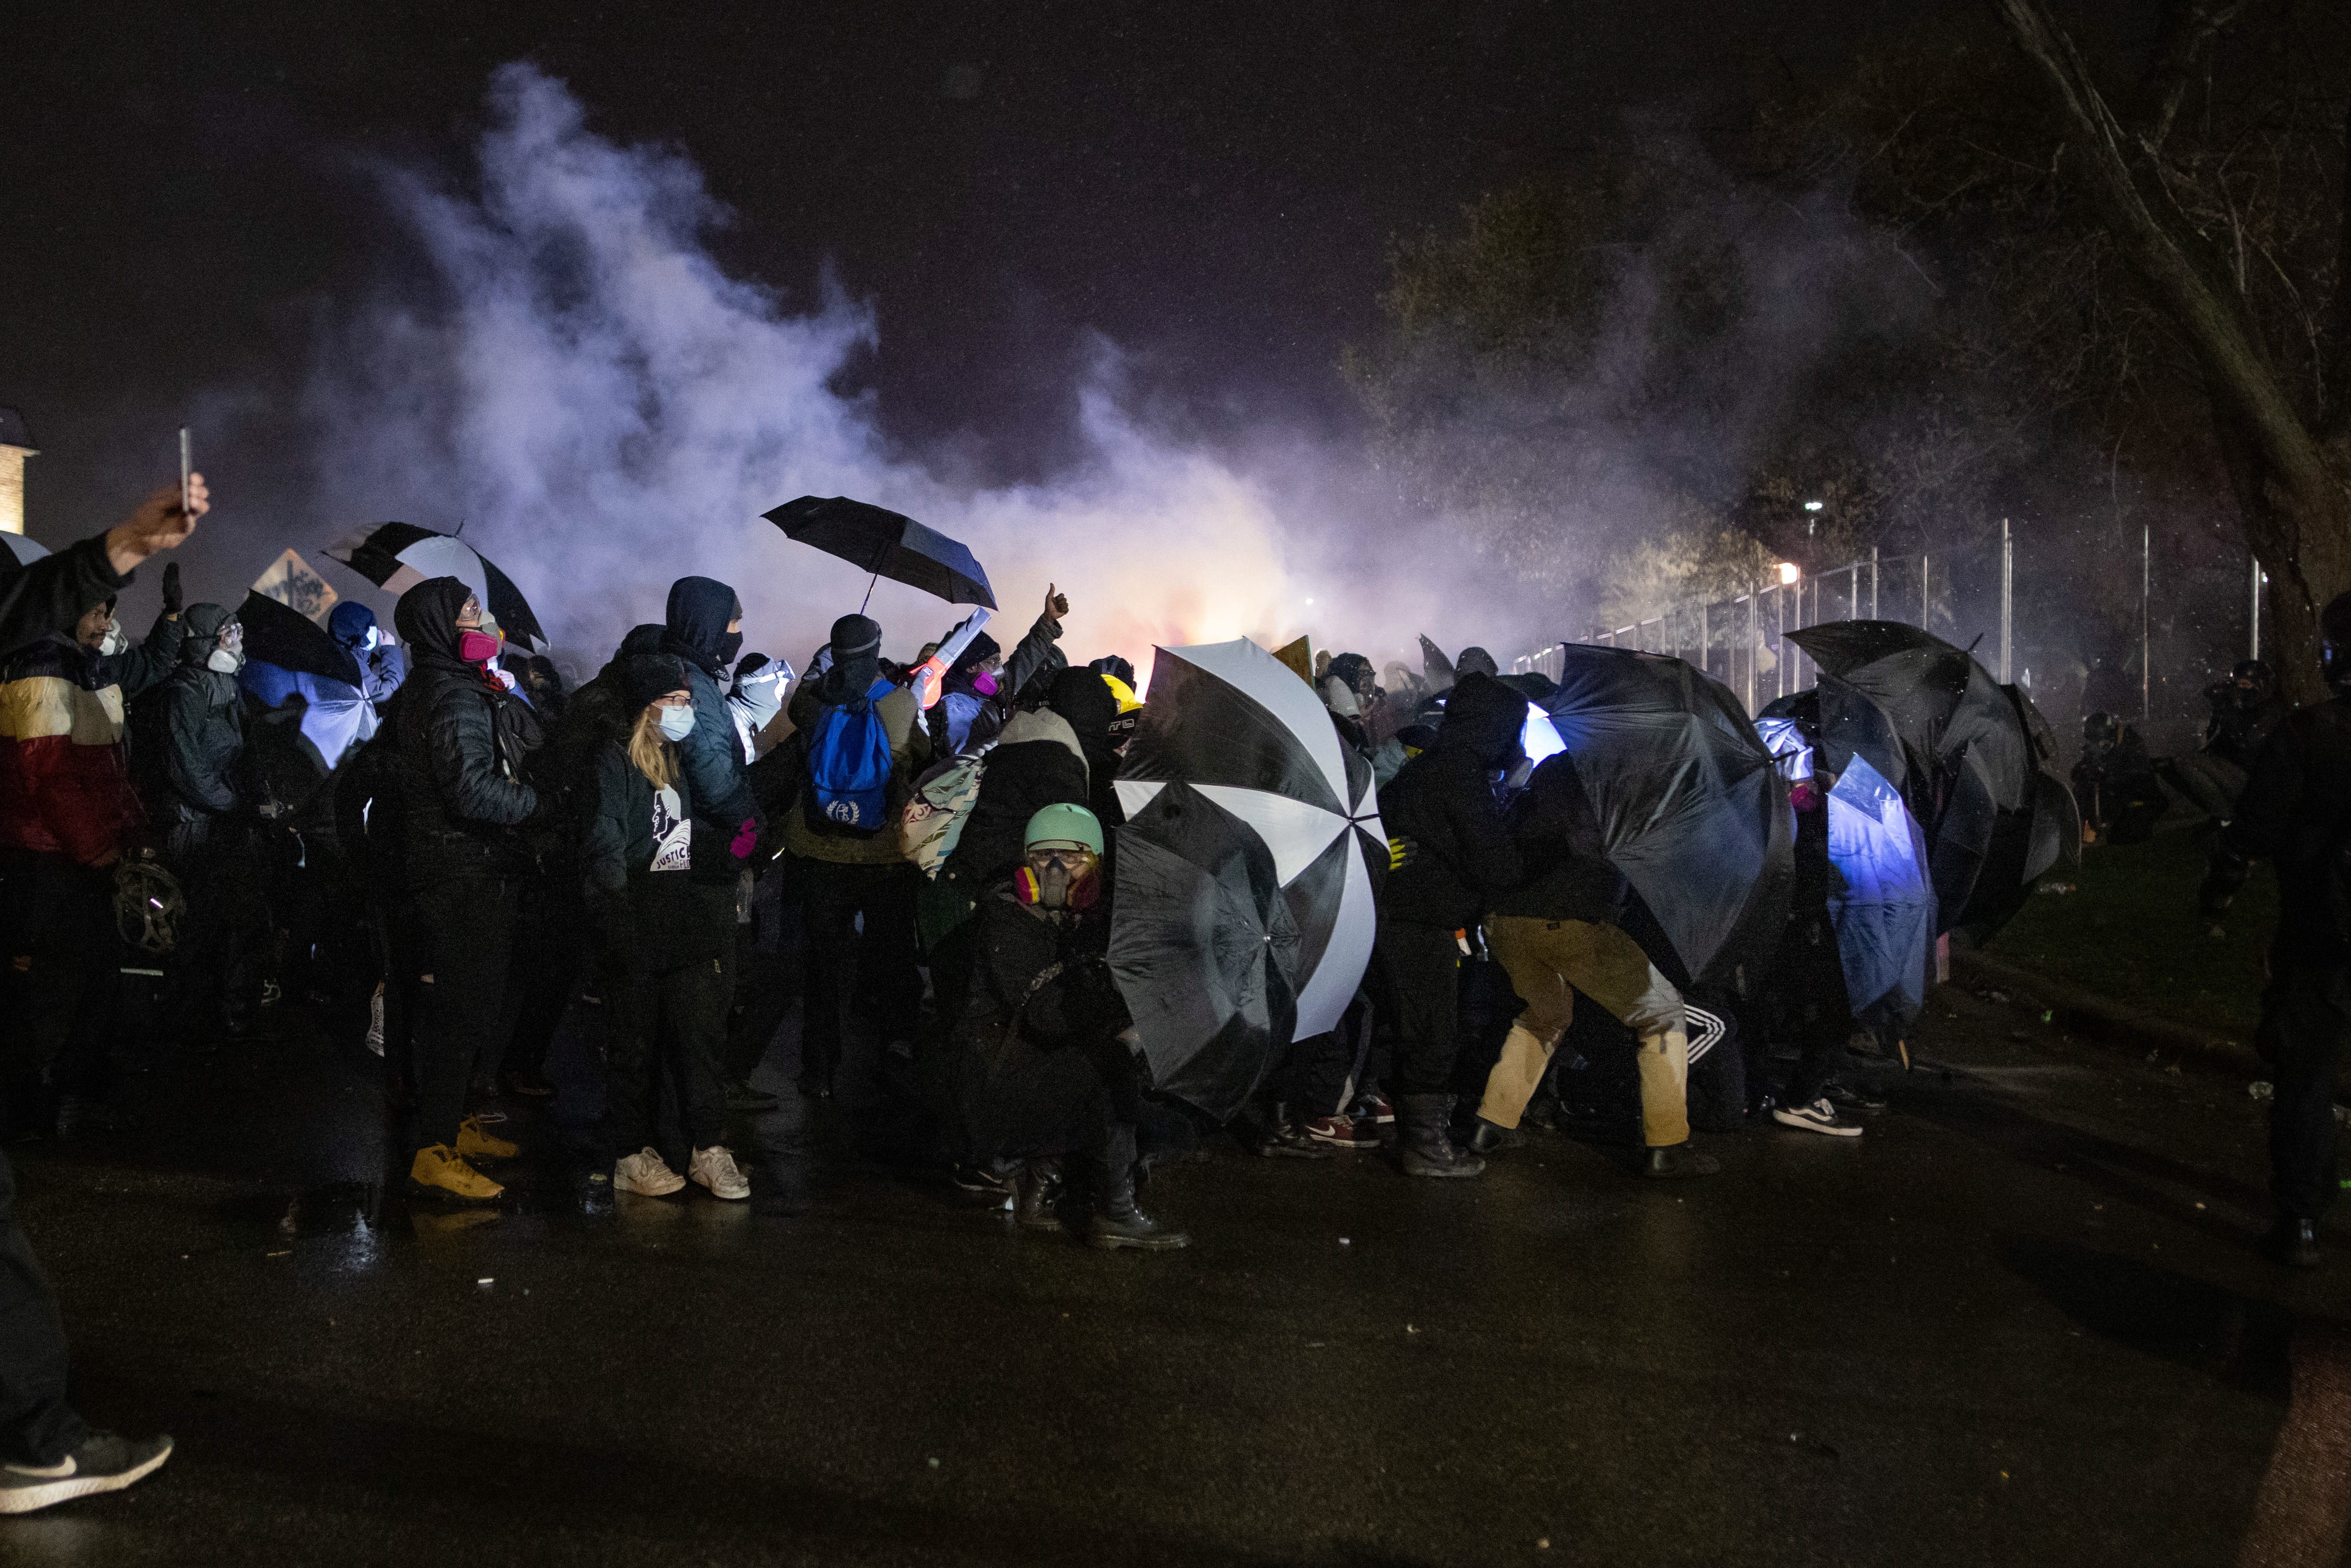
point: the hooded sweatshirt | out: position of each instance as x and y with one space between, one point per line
382 667
65 769
711 758
1443 800
464 741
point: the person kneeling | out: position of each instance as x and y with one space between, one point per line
1044 1058
664 937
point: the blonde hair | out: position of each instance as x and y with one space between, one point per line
650 750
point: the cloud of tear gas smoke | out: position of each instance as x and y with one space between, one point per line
612 410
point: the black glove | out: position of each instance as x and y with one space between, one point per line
171 587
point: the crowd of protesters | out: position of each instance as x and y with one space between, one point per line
923 860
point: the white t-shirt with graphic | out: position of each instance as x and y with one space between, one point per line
673 834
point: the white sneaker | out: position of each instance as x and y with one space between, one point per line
646 1172
1820 1117
713 1167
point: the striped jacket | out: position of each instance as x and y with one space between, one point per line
65 775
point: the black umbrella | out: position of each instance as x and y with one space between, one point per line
1976 761
887 544
276 635
396 556
1201 944
1690 808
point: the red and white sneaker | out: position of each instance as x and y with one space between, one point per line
1374 1109
1342 1132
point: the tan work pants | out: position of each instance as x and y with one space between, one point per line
1548 962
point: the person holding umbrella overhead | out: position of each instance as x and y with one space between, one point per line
1453 858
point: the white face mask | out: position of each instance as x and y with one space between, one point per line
677 722
224 661
114 641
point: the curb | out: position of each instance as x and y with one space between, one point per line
2096 1016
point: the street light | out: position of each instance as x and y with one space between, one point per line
1789 573
1812 506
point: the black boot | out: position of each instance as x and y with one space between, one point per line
1672 1160
1487 1136
1427 1148
1116 1221
1282 1137
2294 1242
1040 1193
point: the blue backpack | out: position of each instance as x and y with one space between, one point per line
849 768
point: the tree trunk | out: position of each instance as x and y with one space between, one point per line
2293 490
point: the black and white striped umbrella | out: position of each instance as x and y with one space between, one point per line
1240 728
396 556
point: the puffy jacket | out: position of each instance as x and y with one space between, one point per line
1037 763
465 743
65 766
649 921
1443 800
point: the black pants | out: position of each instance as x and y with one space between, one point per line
224 955
65 974
2305 1015
551 915
764 986
1326 1072
465 929
833 898
667 1027
37 1426
1810 1005
403 962
1417 1000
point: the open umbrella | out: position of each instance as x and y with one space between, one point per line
887 544
1690 808
1881 900
396 556
1970 765
289 654
1202 944
1251 739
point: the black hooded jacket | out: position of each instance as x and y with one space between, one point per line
1568 874
597 712
1463 857
190 750
710 757
464 745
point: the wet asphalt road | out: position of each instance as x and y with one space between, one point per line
2017 1322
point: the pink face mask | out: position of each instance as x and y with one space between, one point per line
984 683
476 647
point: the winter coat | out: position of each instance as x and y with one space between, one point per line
54 592
1037 763
1443 800
464 742
649 920
910 753
711 756
1029 1048
1567 872
967 721
196 739
65 765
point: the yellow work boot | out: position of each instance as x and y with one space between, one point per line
475 1145
438 1172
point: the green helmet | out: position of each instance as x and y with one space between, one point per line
1063 826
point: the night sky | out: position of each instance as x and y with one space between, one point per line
1212 187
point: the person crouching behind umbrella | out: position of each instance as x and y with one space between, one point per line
664 953
1044 1063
